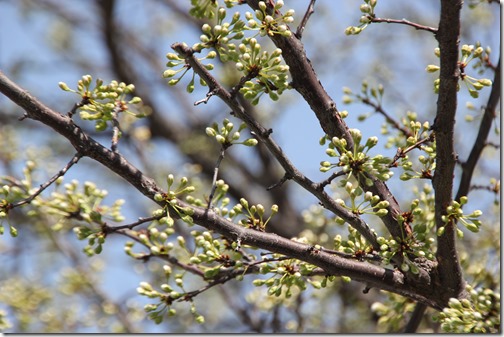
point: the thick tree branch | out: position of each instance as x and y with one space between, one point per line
116 37
306 82
481 139
265 138
373 276
449 269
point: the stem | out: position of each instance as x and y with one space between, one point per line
449 269
306 82
481 139
48 183
304 21
406 22
216 172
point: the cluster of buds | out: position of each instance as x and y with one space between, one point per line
103 102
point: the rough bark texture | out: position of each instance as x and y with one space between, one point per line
449 270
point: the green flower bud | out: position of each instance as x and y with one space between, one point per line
220 139
274 208
472 227
365 8
250 142
63 86
486 82
477 85
210 132
432 68
169 73
200 319
235 136
382 212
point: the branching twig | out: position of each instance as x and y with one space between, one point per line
111 229
48 183
306 82
481 139
379 109
304 21
416 318
205 100
280 182
402 153
264 136
405 22
168 258
333 176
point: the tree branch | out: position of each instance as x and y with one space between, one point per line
306 82
115 38
406 22
449 268
48 183
481 139
265 138
416 318
375 276
395 124
309 11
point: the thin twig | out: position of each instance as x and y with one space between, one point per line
207 97
115 128
111 229
166 257
333 176
216 173
495 146
379 109
481 139
405 22
492 188
48 183
416 318
280 182
304 21
402 153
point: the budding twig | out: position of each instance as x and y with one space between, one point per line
304 21
216 172
406 22
48 183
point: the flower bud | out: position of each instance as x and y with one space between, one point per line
250 142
